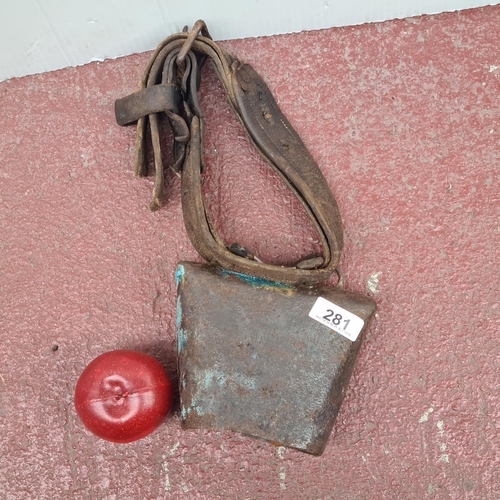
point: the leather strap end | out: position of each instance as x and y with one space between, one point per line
162 97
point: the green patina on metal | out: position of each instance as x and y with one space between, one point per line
255 281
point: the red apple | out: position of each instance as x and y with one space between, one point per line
122 396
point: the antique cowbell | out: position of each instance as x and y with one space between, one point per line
264 350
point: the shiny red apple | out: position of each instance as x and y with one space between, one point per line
122 396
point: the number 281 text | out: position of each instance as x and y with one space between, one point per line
336 319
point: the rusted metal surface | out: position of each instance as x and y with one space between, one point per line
252 361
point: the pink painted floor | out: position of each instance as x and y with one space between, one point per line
403 118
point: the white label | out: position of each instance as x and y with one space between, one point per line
341 321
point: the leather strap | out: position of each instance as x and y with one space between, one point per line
169 90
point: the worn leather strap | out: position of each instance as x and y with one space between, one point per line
169 90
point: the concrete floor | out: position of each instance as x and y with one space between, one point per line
403 118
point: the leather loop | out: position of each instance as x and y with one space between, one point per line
266 126
163 97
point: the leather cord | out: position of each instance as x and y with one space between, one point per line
169 91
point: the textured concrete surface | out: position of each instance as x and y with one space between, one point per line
403 118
